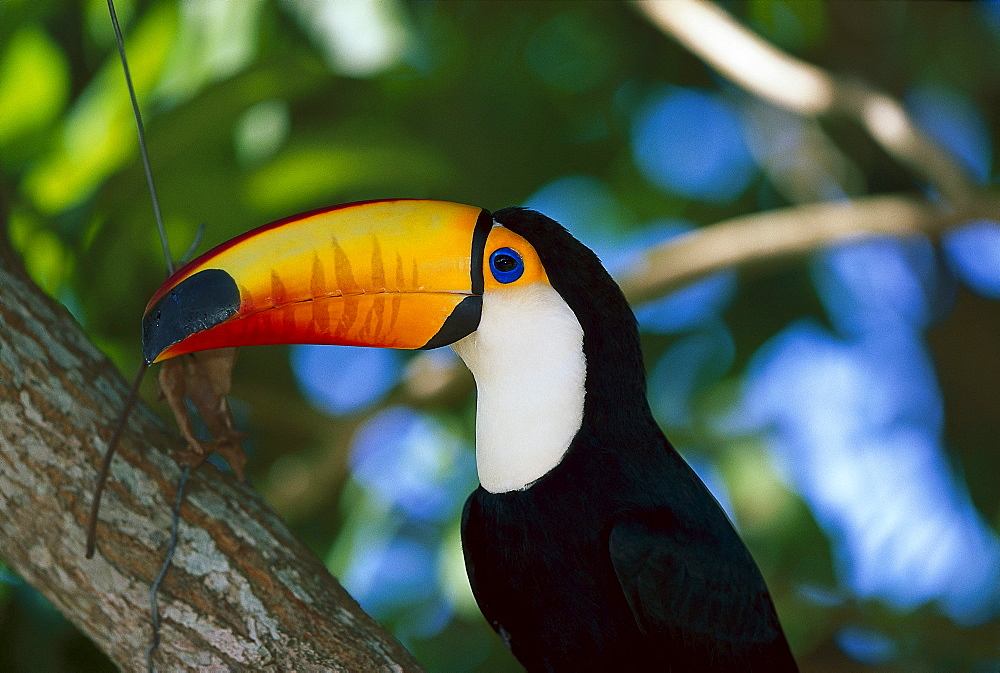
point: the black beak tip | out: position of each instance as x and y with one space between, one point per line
197 303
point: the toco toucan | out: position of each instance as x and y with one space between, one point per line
590 544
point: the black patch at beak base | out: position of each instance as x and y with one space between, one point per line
463 321
195 304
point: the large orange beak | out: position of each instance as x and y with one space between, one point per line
397 274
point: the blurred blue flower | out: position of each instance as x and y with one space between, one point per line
398 579
856 429
385 575
867 646
973 252
410 461
689 307
413 476
689 365
953 120
882 284
691 142
343 379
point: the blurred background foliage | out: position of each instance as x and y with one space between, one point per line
842 407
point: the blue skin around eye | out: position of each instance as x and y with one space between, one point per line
506 276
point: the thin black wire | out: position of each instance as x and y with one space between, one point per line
194 244
175 524
142 139
102 474
154 643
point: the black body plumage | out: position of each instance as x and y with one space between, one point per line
618 559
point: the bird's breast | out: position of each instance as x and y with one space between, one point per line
540 570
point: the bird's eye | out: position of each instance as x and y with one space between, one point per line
506 265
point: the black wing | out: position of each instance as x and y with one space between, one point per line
698 595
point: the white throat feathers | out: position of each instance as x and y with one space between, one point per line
528 361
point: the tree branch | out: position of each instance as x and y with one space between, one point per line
763 238
749 61
242 593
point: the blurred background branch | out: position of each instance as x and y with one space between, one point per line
763 238
751 62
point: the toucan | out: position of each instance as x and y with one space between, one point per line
590 544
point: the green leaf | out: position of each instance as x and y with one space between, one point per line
98 136
34 84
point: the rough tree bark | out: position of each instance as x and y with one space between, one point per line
242 593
